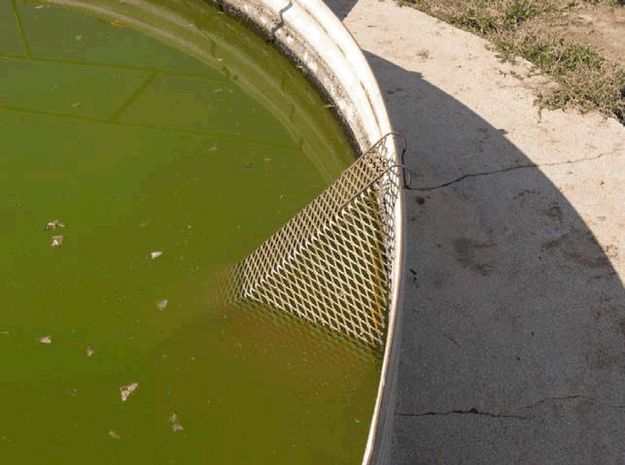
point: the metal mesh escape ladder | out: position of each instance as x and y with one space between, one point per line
331 263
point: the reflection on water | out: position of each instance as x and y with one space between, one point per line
145 147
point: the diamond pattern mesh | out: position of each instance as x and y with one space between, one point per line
331 263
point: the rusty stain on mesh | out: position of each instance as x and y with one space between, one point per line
331 263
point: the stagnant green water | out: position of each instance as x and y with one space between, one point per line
158 126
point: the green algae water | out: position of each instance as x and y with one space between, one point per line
144 147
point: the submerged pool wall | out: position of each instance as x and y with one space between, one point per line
318 43
311 35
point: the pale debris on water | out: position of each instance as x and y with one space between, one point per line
89 351
57 241
126 391
162 304
175 423
154 255
53 225
113 434
45 340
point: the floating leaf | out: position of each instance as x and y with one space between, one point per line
126 391
162 304
175 423
154 255
113 434
45 340
53 225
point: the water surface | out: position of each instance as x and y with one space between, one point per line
144 127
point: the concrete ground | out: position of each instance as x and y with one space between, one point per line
513 345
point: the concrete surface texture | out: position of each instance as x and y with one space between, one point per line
513 339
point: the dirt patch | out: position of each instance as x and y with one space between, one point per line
475 255
601 27
579 44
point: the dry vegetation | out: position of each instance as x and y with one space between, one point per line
533 29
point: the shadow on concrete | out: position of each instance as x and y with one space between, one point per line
513 346
341 8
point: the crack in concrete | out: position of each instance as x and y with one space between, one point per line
435 328
472 411
451 339
508 169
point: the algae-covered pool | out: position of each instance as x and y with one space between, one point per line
145 146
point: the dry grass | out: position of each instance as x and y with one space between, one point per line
585 79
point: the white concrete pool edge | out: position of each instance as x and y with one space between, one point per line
314 38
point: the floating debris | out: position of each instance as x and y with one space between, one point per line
89 351
53 225
78 37
175 423
117 24
154 255
113 434
126 391
162 304
57 241
45 340
76 105
267 159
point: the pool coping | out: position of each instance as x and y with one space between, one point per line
317 42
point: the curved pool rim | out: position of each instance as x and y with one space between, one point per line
318 43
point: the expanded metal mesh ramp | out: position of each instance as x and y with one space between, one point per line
331 263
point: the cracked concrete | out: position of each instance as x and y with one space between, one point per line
472 411
505 170
535 405
513 297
